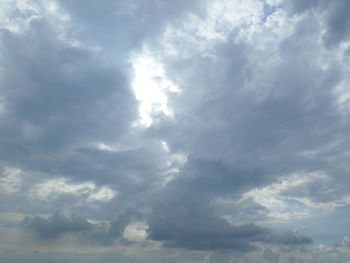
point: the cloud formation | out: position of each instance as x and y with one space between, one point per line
56 224
215 131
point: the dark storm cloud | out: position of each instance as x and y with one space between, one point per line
56 225
113 168
184 215
57 95
289 238
212 177
59 225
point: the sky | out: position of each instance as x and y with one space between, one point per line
212 131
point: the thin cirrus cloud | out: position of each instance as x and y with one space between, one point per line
186 131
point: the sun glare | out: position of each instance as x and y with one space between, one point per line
151 86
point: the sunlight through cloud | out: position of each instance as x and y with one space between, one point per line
150 86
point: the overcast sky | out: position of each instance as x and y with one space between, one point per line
214 131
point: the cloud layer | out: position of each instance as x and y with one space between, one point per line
201 131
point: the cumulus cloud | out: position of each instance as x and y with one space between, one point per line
184 127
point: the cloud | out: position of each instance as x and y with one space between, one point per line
258 116
44 86
270 256
336 17
253 143
134 22
290 238
184 214
56 225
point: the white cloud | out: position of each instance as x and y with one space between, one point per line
104 194
285 207
105 147
198 35
150 86
136 231
51 188
11 180
28 11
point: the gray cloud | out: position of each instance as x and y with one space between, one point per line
56 225
264 116
260 101
58 101
184 215
290 238
52 81
257 116
336 15
134 22
270 256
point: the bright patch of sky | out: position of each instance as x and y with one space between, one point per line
150 85
51 188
